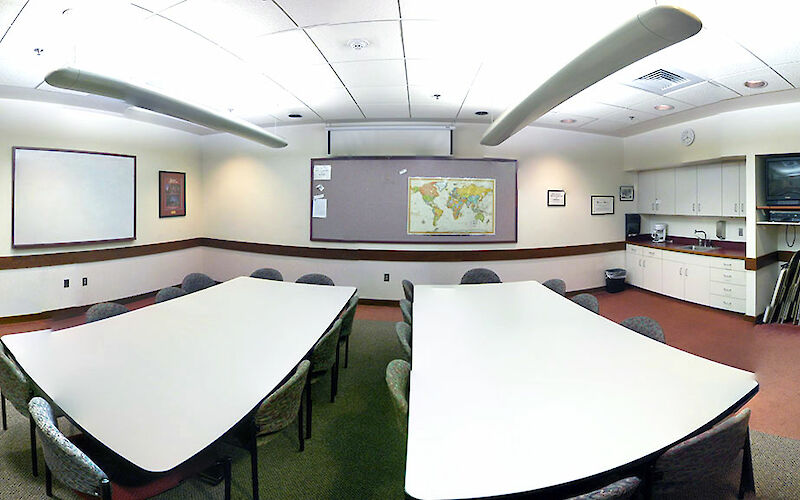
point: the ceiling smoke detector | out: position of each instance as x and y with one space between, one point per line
295 115
358 43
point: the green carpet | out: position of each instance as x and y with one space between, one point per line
356 451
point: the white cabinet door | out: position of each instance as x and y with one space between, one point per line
633 266
672 278
709 190
686 191
697 287
647 192
742 190
651 273
730 190
665 191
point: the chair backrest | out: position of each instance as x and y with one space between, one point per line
620 490
588 301
556 285
702 459
280 408
267 273
196 281
348 316
403 330
104 310
397 375
15 385
408 290
66 461
324 354
315 279
480 275
646 326
169 293
405 308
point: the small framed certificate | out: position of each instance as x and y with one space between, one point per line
602 205
556 198
626 193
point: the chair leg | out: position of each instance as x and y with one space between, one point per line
747 482
308 407
3 402
300 425
105 488
346 350
48 481
335 376
254 466
226 474
34 461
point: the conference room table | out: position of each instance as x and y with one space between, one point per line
515 390
159 384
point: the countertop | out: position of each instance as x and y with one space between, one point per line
728 249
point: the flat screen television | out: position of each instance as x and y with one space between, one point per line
783 181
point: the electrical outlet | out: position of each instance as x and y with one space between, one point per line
85 281
66 283
741 231
386 277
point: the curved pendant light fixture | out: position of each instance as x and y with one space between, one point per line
645 34
142 97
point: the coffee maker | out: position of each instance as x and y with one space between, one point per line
659 233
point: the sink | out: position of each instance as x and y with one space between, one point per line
698 248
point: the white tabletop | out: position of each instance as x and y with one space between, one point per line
515 388
159 384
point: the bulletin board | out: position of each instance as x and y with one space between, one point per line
400 199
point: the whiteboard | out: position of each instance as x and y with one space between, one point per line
65 197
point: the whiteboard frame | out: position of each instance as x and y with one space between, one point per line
14 150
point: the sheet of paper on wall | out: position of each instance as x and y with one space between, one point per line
319 209
322 172
318 196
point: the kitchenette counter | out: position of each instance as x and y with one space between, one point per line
728 249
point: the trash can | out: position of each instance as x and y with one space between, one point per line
615 280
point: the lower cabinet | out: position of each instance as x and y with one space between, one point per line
713 281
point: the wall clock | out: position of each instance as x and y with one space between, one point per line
687 137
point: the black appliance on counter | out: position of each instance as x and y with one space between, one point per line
633 225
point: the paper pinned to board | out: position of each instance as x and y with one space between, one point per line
318 196
319 208
403 171
322 172
320 188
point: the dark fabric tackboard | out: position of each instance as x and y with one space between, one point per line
368 198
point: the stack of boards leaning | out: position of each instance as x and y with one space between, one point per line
785 304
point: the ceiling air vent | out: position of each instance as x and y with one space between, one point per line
662 81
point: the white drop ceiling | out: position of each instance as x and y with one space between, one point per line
426 60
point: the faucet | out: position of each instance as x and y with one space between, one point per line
701 241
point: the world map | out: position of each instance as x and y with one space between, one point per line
450 205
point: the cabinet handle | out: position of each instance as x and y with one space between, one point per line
686 272
727 276
726 264
735 206
680 271
693 210
727 289
726 303
742 205
653 207
644 263
699 206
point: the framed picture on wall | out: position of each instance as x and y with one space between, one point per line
556 198
626 193
171 194
602 205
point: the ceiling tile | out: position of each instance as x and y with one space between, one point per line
605 126
303 79
381 95
629 116
614 94
385 111
372 73
338 111
774 81
703 93
9 10
442 40
555 119
225 20
426 96
444 73
649 104
790 71
282 50
313 12
584 107
441 112
155 5
383 37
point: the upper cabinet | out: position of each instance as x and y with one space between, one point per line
657 191
733 189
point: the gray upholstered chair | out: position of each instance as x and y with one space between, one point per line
104 310
587 301
408 290
403 330
706 459
619 490
324 359
196 281
18 390
169 293
646 326
348 316
315 279
267 273
556 285
405 308
397 375
83 472
480 275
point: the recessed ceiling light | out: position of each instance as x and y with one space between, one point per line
568 120
295 115
358 43
481 113
755 84
663 107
